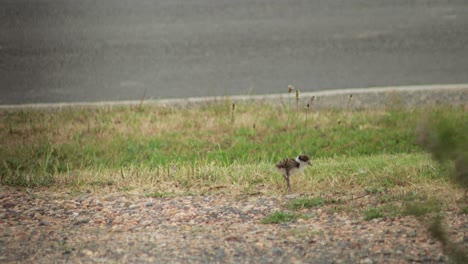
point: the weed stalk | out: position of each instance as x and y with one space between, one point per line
233 109
350 98
290 89
297 102
140 106
308 108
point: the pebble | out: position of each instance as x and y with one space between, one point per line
81 220
277 251
87 252
133 206
366 261
247 208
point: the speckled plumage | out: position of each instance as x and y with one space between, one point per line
291 166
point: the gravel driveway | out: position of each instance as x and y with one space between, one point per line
44 227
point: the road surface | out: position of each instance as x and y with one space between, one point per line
74 51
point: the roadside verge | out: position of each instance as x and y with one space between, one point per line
363 98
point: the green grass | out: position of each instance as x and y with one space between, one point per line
174 150
302 203
406 203
279 217
372 213
160 195
464 210
421 208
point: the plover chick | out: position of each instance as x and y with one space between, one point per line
292 166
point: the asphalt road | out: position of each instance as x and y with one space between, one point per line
71 51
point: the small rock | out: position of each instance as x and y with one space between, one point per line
81 220
220 254
247 208
118 220
232 239
277 251
37 216
366 261
87 252
125 216
146 223
44 223
8 205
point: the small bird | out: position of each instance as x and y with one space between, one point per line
291 166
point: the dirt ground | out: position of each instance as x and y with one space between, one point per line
62 227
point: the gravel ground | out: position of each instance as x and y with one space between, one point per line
56 227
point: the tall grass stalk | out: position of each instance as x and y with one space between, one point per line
350 98
233 109
297 103
309 106
290 90
346 114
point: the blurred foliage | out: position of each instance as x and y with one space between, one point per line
444 134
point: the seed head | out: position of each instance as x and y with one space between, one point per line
290 88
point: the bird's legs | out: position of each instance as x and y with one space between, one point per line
286 177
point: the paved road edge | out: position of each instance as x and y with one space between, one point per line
363 98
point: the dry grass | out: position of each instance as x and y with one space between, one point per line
214 148
340 177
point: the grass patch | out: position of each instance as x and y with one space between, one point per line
408 203
373 213
101 183
375 190
302 203
419 209
279 217
197 150
464 210
301 232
